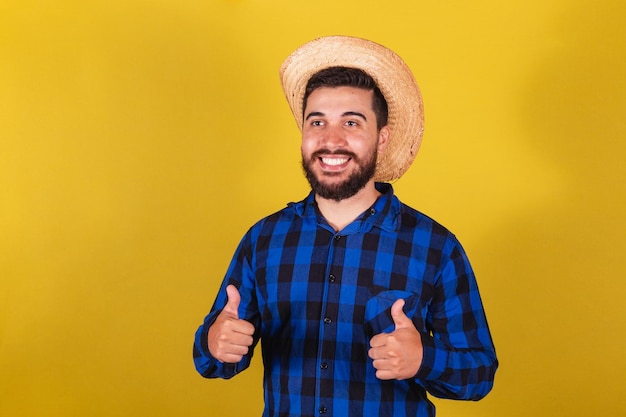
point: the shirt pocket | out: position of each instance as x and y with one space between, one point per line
378 310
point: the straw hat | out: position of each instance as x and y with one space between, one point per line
391 74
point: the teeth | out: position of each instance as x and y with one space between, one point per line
334 161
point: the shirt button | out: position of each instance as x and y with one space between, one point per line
332 278
327 320
337 237
323 410
324 366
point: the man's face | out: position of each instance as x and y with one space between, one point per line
340 141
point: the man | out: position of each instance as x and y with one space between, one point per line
361 303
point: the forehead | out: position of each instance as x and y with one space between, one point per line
336 97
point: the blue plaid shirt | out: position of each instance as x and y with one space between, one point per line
316 297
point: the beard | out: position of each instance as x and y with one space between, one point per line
342 190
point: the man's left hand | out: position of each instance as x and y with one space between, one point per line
397 355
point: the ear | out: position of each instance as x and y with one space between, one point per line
383 138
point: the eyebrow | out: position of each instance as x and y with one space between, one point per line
314 114
348 113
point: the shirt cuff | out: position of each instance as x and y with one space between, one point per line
434 360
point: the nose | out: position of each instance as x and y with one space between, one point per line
334 137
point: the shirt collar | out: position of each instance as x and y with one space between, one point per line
384 213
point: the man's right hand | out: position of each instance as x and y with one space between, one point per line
229 337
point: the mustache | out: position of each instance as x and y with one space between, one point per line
323 151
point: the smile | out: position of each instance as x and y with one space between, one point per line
334 161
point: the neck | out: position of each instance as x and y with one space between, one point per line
341 213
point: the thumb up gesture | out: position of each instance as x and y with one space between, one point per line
229 337
397 355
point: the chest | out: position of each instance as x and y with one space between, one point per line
353 278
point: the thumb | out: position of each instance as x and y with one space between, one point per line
399 318
232 306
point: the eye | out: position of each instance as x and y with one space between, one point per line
352 123
317 123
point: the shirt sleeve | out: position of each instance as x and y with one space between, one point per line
459 359
241 275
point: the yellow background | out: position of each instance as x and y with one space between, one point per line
140 139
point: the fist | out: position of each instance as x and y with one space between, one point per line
397 355
229 337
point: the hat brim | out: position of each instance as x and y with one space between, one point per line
391 74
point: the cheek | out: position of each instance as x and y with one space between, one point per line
307 145
305 151
362 144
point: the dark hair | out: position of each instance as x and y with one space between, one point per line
349 77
